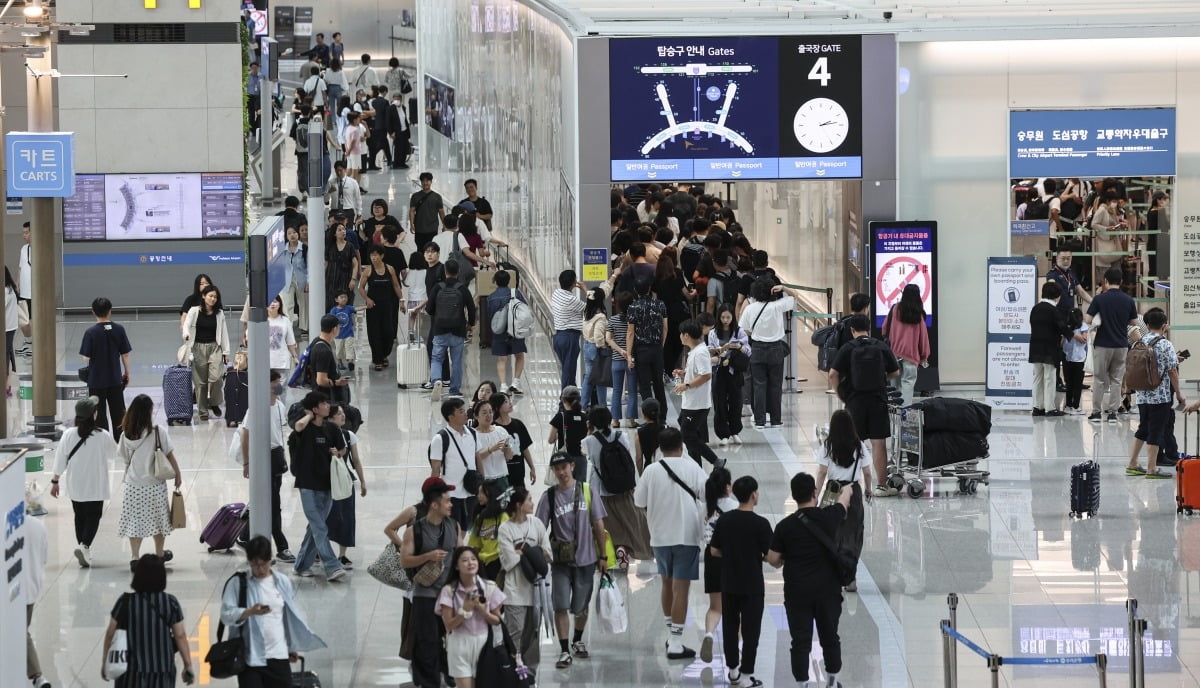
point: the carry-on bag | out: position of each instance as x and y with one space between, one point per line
225 527
412 364
237 396
1085 489
305 678
1187 475
177 395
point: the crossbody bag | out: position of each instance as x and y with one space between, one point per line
833 488
471 478
845 564
563 551
700 521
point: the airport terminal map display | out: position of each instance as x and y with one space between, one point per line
121 207
735 108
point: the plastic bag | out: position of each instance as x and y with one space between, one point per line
610 606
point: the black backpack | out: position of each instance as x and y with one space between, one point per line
1037 210
449 306
689 259
615 466
868 368
828 341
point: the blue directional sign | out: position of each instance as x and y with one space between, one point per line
1091 143
40 164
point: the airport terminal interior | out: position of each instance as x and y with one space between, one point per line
954 124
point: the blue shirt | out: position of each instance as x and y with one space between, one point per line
300 637
345 316
500 298
252 85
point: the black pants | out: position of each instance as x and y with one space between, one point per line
422 238
766 367
727 402
693 425
114 399
744 612
401 142
87 520
376 143
649 368
1073 378
281 541
462 509
381 330
850 534
276 674
302 171
820 603
429 659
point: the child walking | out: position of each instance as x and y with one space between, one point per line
343 344
1075 353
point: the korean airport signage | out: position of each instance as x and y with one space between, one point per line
154 259
902 253
1012 294
40 164
1091 143
1029 228
786 107
595 264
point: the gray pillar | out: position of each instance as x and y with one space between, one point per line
259 367
316 225
593 230
42 249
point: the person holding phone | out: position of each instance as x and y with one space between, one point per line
272 624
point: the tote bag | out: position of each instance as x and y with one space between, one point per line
116 662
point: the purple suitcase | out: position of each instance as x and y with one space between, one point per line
225 527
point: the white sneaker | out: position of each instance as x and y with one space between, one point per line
503 388
737 439
40 682
723 442
515 387
84 555
436 394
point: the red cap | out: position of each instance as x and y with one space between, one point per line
431 483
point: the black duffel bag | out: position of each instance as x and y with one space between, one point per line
944 448
959 415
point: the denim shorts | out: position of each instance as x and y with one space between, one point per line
678 562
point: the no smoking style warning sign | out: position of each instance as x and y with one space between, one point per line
902 254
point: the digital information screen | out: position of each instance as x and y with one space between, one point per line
902 254
1091 143
735 108
124 207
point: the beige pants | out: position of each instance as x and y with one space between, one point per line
1108 372
208 375
1045 391
293 295
344 350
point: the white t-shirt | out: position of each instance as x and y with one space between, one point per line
699 362
591 449
769 327
86 473
351 441
271 624
25 272
34 555
277 422
673 516
494 464
837 472
414 285
724 505
459 455
140 454
280 338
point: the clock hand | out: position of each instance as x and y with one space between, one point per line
825 123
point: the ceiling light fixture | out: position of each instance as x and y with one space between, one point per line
34 9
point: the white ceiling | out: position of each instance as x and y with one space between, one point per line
1012 19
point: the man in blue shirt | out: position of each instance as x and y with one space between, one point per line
505 344
1117 312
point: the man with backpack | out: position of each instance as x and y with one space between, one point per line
610 459
512 322
860 374
312 443
830 340
722 286
1152 370
1117 311
322 364
452 312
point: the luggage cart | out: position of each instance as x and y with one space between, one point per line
906 466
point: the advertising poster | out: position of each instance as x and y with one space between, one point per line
902 255
439 106
1012 294
12 606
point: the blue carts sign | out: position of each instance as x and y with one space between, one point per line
40 164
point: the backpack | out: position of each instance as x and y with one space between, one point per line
1141 366
868 371
300 134
448 305
615 466
1037 210
826 340
466 271
515 313
689 258
302 375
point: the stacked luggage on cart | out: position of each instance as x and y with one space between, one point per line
941 437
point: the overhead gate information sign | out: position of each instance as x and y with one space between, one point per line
1091 143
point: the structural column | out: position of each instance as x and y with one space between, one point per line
41 242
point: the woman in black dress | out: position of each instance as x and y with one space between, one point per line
153 622
380 288
341 267
674 292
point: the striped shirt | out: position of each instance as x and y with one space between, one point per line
617 327
567 310
148 618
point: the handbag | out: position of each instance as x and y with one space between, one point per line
178 514
116 661
387 569
833 488
738 361
227 658
845 564
496 667
601 373
429 573
162 468
23 319
610 606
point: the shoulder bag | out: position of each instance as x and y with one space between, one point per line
563 551
701 524
227 658
162 468
387 569
845 565
430 571
496 667
471 479
116 660
833 488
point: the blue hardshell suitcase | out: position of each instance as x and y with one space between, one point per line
177 395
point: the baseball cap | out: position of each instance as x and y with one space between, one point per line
434 482
86 406
559 457
467 206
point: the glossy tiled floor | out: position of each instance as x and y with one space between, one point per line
1032 582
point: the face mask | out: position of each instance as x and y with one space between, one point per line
277 390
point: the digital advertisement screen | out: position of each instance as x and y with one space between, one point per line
735 108
439 106
902 253
141 207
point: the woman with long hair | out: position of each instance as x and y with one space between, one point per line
469 606
624 378
673 291
495 447
733 347
904 330
281 339
718 499
522 531
846 459
193 299
206 331
342 523
379 287
485 528
646 440
83 455
145 506
595 335
341 267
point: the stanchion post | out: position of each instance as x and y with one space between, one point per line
1131 611
947 641
828 299
994 664
952 603
1102 667
1139 647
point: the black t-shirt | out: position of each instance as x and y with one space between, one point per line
846 372
321 360
433 275
576 429
206 327
394 257
311 464
516 465
482 207
806 561
104 344
1116 309
743 537
189 302
648 439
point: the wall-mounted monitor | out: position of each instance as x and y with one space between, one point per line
439 106
153 206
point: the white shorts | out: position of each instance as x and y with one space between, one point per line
353 162
462 653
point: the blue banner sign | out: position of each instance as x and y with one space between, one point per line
1091 143
1029 228
153 259
40 164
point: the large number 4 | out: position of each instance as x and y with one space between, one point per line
820 71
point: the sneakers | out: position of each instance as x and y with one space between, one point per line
683 653
84 554
215 410
436 395
1112 418
736 439
40 682
1095 417
706 649
564 660
1072 411
427 386
884 491
1135 471
734 676
723 442
306 573
760 426
285 556
579 649
336 575
503 388
346 563
1038 412
515 387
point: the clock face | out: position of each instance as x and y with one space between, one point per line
821 125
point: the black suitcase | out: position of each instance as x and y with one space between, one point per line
944 448
237 396
304 678
1085 489
959 415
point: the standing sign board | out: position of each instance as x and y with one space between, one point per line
40 164
900 254
1012 294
